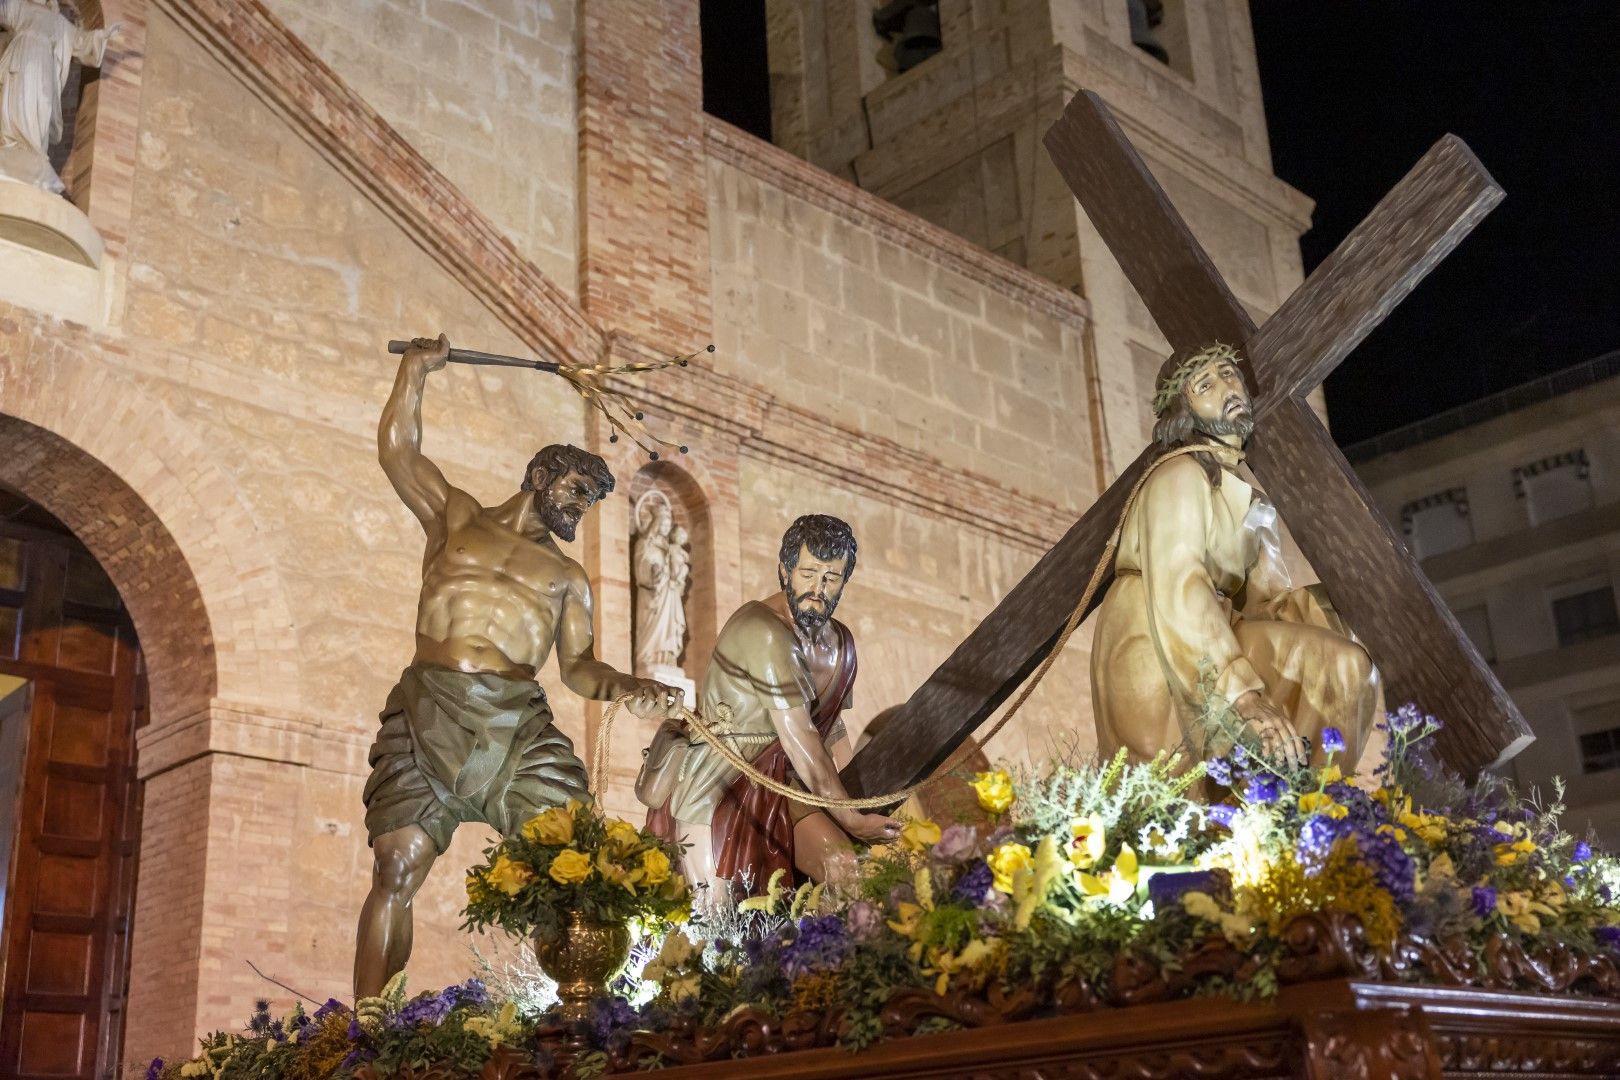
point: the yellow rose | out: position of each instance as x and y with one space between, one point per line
571 867
919 834
994 789
508 875
1006 861
621 835
654 866
554 826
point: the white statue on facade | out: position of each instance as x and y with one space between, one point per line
662 572
34 66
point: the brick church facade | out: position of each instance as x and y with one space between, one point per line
916 329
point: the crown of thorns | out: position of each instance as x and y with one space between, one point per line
1171 385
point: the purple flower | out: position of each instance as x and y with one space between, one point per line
820 945
611 1021
974 883
1583 851
332 1005
1263 790
864 919
1609 936
427 1009
1221 814
1484 901
1332 740
1391 866
1219 770
1316 840
1240 756
955 843
356 1032
154 1070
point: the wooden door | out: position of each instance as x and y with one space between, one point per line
71 880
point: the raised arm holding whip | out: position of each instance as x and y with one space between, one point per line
467 734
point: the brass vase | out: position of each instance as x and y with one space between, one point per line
583 959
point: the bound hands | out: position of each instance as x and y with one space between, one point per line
868 828
1278 740
654 701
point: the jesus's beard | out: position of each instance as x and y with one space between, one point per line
1241 425
810 619
561 523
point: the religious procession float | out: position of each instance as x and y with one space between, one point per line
1265 869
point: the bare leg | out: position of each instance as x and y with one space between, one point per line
819 846
401 860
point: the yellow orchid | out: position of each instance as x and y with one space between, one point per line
918 834
1090 841
766 902
974 959
922 882
571 867
508 875
1518 909
611 871
1118 884
553 826
1441 868
1005 861
995 790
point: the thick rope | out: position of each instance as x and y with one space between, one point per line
722 745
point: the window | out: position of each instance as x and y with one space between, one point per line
1437 523
1583 616
1598 727
1554 486
736 67
912 28
1476 623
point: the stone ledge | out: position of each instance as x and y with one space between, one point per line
48 223
240 729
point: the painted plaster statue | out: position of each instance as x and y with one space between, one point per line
1201 610
34 67
467 734
777 685
660 585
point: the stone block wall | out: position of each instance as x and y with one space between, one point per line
483 88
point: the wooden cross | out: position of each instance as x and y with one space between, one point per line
1374 582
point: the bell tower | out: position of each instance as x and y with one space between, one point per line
939 106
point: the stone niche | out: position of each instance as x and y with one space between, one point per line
52 260
657 488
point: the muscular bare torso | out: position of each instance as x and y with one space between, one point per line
491 597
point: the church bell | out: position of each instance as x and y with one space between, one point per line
913 26
1146 15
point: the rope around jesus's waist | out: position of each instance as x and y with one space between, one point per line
721 740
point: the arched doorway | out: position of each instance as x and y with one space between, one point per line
72 694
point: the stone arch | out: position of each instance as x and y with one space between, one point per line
691 510
142 491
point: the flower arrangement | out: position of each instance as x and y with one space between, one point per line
1101 883
569 859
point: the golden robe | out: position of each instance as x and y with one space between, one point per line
1200 584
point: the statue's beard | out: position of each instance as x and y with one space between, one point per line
1240 424
561 523
810 619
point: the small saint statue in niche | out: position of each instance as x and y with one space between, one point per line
1202 610
35 60
663 568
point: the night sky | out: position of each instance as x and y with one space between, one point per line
1357 90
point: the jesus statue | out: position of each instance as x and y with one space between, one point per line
1201 615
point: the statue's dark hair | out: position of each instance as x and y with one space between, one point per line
827 537
560 459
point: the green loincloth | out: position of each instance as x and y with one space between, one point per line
457 746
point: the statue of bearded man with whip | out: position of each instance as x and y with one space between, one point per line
1201 618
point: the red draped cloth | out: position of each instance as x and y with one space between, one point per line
752 828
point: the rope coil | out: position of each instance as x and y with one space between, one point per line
719 741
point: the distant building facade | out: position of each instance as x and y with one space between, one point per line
1512 503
